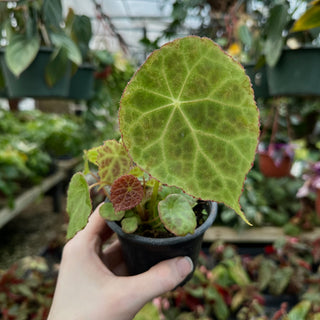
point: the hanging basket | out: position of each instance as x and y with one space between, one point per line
259 80
31 82
296 74
269 168
81 84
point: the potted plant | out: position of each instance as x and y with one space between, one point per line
37 55
189 127
275 151
275 160
311 184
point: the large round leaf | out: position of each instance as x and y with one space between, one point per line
188 117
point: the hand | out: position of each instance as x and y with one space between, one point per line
92 283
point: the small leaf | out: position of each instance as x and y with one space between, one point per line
113 161
126 193
280 280
79 205
220 308
177 215
20 53
237 272
299 311
107 212
130 224
266 270
92 155
57 67
73 53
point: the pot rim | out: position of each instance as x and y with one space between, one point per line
171 240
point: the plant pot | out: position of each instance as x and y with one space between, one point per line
318 202
296 74
268 167
81 84
31 82
141 253
259 80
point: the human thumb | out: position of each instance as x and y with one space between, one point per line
163 277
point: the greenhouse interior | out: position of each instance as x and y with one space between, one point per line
119 199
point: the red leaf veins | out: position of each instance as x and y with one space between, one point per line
126 193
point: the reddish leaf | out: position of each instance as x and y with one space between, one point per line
126 193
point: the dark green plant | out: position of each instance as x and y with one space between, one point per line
28 142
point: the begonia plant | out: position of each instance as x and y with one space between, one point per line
189 126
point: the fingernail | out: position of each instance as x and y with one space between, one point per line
185 266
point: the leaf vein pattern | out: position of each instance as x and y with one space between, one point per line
196 139
166 80
188 75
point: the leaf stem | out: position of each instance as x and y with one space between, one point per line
154 197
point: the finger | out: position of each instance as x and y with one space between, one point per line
162 278
97 226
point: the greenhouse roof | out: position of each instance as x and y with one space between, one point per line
129 20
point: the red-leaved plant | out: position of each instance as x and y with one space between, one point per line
188 120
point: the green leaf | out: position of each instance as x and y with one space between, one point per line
79 205
82 33
219 306
280 280
73 53
300 311
148 312
107 212
57 67
278 20
188 117
130 224
113 161
237 272
92 155
273 50
20 53
309 20
52 14
266 269
245 35
177 215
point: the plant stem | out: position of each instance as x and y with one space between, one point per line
44 34
154 197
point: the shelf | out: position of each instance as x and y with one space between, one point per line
25 199
254 235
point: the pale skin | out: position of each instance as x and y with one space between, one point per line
93 283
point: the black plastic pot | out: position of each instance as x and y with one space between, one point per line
141 253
